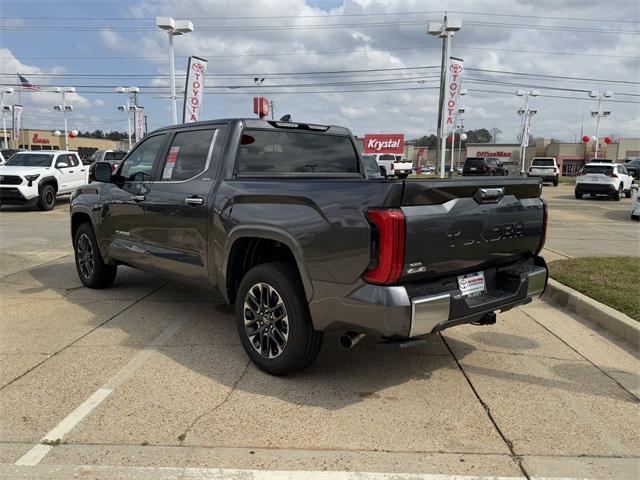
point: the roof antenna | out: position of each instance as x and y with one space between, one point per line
286 118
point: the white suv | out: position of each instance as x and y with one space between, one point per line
604 179
545 167
38 177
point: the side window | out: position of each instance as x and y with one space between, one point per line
188 155
139 164
60 159
278 152
73 160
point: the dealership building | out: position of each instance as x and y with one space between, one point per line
31 139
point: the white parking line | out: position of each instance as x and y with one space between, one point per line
39 451
171 473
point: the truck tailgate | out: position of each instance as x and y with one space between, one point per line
464 225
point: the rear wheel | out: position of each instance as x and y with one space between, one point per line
628 193
555 182
92 270
616 196
578 195
273 320
47 197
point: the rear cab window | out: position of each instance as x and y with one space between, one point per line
266 152
387 157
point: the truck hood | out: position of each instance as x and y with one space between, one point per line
22 171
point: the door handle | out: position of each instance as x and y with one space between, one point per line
137 198
70 171
193 201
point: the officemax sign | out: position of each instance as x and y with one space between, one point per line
384 143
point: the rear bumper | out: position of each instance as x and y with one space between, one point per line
410 311
545 177
598 188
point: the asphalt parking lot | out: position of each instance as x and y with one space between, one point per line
148 379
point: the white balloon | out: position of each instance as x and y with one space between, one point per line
593 138
463 137
74 133
57 133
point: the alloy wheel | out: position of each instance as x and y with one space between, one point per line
86 261
265 320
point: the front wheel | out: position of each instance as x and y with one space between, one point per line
578 195
47 197
273 320
92 270
627 194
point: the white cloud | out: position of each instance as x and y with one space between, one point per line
98 102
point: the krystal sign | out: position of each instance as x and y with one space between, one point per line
384 143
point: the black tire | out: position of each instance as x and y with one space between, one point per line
555 182
616 196
302 343
627 194
47 197
383 172
578 195
92 270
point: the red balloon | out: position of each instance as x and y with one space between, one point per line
449 138
607 140
71 135
586 139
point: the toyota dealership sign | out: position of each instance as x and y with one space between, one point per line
384 143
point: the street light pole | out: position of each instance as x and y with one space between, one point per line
173 28
64 108
526 123
444 30
599 113
8 91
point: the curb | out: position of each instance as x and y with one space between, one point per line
615 322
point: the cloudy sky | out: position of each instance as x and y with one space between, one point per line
365 64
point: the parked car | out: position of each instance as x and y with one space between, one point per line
390 166
281 218
484 166
113 157
604 179
371 166
633 167
38 177
545 168
635 205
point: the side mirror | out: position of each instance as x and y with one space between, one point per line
102 172
62 165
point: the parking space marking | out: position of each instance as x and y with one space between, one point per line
39 451
167 473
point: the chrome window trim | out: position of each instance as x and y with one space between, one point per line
206 165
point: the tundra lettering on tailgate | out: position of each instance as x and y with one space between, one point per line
505 231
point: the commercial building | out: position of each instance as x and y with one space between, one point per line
31 139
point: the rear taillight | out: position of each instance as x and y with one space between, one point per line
545 221
387 246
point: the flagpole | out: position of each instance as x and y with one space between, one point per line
17 147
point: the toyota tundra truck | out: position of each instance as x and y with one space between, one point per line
282 219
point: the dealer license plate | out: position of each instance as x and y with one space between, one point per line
471 284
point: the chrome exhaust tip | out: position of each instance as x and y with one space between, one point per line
349 339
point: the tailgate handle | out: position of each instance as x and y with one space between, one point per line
489 195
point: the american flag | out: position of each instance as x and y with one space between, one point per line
27 85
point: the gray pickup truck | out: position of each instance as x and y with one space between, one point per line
282 219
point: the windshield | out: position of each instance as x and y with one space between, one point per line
30 160
543 162
604 170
